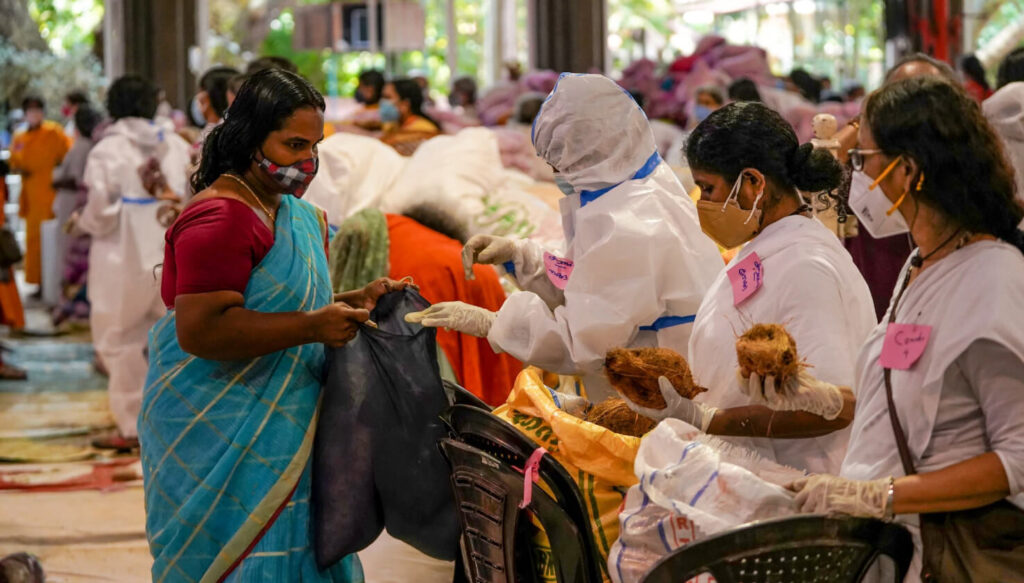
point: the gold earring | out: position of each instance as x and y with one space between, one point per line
920 182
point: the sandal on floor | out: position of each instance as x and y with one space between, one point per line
117 443
12 373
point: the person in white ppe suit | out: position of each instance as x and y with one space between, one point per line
751 170
1005 111
937 441
636 264
127 239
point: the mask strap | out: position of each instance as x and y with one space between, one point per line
753 208
879 180
734 193
899 202
885 173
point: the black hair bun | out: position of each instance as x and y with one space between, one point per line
814 170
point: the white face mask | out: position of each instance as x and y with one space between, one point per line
874 210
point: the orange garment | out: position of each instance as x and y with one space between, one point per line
35 153
434 261
12 313
422 125
405 139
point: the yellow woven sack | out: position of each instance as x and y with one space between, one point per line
599 460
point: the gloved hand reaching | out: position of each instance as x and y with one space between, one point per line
677 407
487 250
573 404
800 393
821 494
458 316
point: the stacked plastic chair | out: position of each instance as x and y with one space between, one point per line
487 457
800 549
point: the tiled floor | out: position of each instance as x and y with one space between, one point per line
79 536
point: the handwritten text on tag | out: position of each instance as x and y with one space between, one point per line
558 270
746 278
904 344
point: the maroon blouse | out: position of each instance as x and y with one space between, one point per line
213 246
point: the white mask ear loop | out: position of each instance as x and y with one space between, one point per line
753 209
734 193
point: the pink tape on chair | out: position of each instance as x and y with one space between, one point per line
530 475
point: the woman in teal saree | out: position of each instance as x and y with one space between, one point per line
231 400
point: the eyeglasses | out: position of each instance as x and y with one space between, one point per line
857 157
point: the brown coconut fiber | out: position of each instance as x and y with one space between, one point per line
615 415
768 349
634 374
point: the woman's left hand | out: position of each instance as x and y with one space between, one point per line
367 297
822 494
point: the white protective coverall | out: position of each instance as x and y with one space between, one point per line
810 286
355 174
127 246
1005 111
949 414
632 234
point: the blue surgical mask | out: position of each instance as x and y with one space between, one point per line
388 112
196 111
701 112
564 185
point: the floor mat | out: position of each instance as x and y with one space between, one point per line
53 365
48 451
73 476
53 414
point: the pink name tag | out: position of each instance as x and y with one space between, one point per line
746 278
904 344
558 270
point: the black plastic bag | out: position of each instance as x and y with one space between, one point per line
376 462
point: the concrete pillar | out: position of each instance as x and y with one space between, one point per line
113 38
569 35
493 40
453 38
153 39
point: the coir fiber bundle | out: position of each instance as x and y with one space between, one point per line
615 415
768 349
634 374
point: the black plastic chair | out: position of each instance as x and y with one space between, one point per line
566 523
457 395
790 550
494 547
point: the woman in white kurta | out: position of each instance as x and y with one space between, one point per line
749 165
958 387
636 264
127 240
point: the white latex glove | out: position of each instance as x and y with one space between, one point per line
573 404
458 316
800 393
487 250
821 494
677 407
